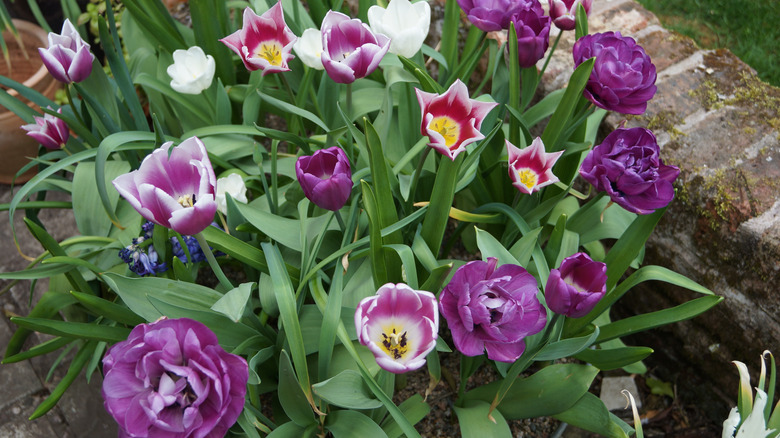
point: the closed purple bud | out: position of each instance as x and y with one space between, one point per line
173 187
627 166
49 130
399 325
67 58
533 35
564 12
350 50
325 177
623 76
575 288
492 309
172 378
493 15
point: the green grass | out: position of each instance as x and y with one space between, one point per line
749 28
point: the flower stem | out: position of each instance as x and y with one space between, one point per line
549 56
204 246
340 220
73 106
416 178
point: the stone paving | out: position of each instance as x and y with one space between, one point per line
703 121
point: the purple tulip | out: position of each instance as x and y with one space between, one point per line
399 325
575 288
349 49
623 76
173 188
264 42
452 120
492 309
50 131
326 177
533 35
493 15
171 378
627 166
564 12
68 58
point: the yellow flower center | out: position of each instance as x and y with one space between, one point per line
271 51
447 128
186 200
528 177
394 342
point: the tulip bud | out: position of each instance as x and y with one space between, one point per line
577 286
50 131
68 58
192 70
350 50
326 177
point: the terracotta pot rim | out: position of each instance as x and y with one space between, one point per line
36 31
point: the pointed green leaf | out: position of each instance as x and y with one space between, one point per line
347 390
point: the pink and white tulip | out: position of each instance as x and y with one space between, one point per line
67 58
264 42
531 168
173 188
451 120
399 325
350 50
564 12
50 131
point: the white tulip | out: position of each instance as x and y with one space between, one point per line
405 23
233 185
309 48
192 70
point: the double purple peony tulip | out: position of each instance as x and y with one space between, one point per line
576 286
623 76
350 50
627 166
399 325
493 310
173 187
493 15
325 177
171 378
68 58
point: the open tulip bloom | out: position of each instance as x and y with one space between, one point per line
623 76
405 23
492 309
531 168
452 120
493 15
350 50
399 325
309 48
264 42
67 58
174 188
